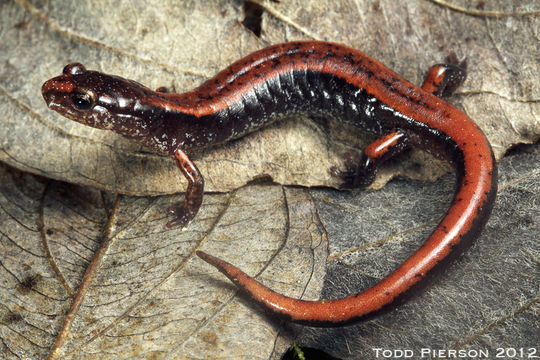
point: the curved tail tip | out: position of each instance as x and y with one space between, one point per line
212 260
203 255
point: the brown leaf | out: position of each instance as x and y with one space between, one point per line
145 295
181 44
143 291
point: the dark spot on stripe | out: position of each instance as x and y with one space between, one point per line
329 54
349 57
386 83
387 293
418 275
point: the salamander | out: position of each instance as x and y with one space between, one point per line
308 77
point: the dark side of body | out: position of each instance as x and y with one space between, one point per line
303 77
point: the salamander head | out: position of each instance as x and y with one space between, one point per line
101 101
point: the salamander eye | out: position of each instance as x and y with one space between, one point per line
82 100
74 69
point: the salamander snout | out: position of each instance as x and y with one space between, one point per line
63 84
98 100
64 91
53 89
71 94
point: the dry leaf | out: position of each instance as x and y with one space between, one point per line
144 293
181 44
148 296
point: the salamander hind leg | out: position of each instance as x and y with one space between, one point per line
443 79
356 173
362 173
186 211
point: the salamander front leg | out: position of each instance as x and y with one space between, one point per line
186 211
361 174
